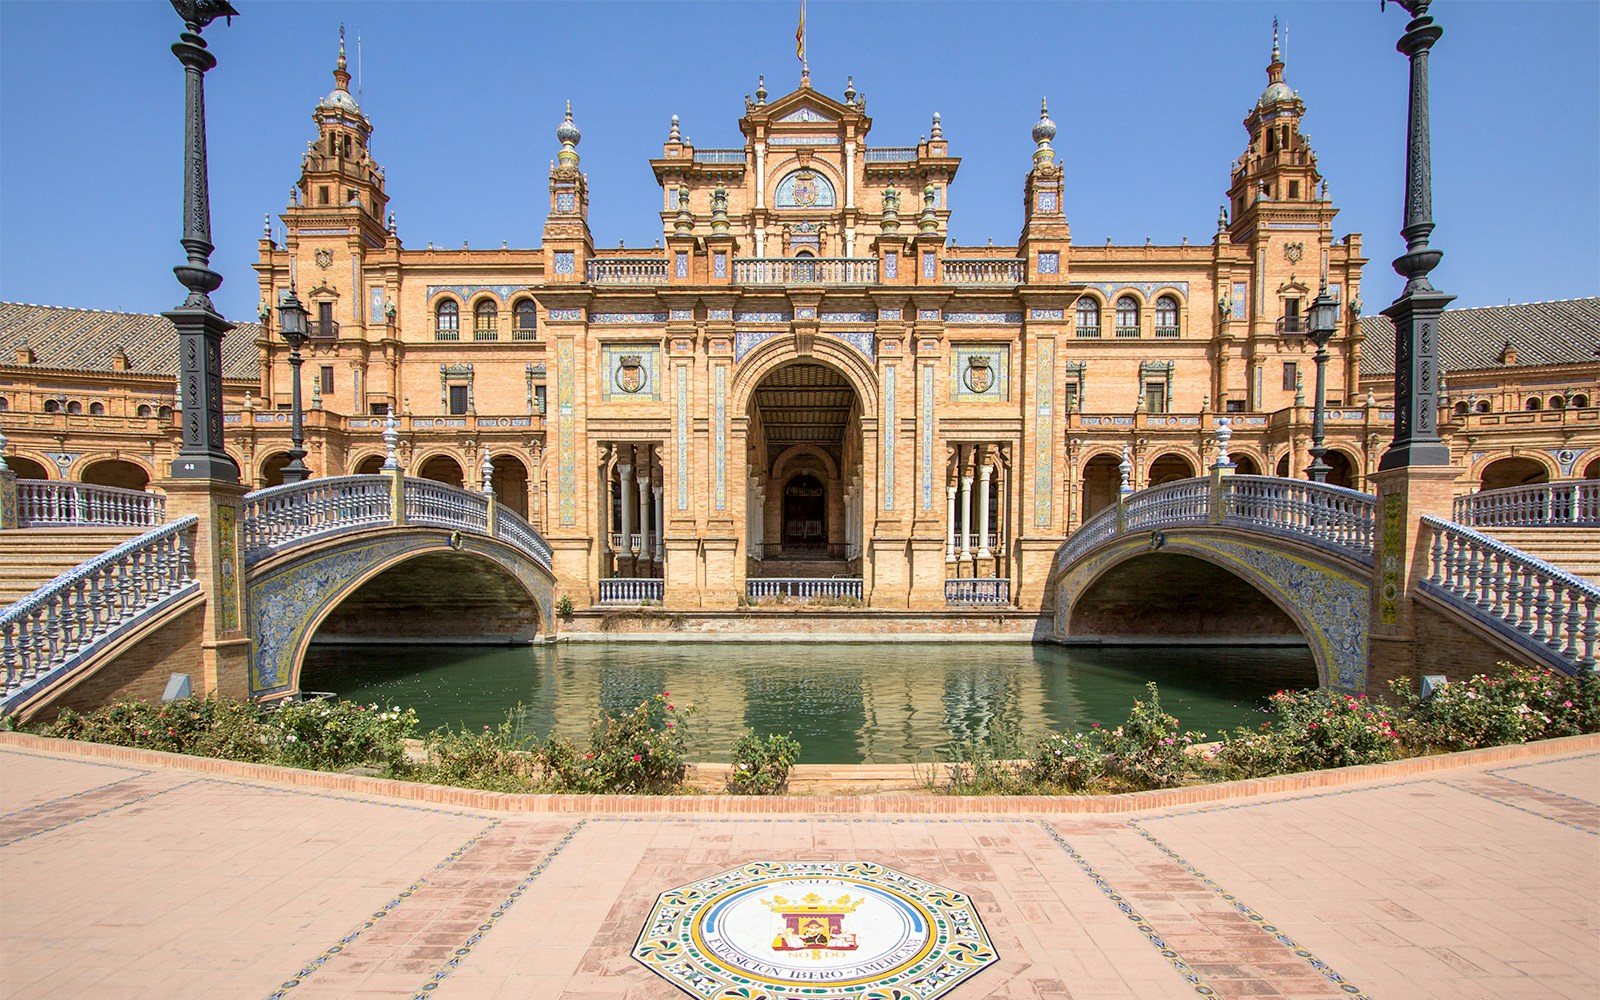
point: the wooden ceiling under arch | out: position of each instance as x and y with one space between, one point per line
804 403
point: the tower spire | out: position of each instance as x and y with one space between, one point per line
341 74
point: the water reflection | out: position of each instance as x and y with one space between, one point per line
845 703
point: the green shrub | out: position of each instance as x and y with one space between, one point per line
205 727
1515 705
1309 731
641 752
1146 751
986 763
336 735
495 759
1066 761
564 606
761 767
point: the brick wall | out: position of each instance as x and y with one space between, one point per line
141 671
1164 594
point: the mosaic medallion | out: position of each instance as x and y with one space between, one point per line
821 930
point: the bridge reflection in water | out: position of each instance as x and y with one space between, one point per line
845 703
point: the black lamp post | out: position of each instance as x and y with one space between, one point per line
1324 321
200 327
292 326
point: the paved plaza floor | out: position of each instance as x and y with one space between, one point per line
128 874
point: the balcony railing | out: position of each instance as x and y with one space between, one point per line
485 333
1294 324
322 329
1128 332
627 270
1167 331
1087 331
1567 505
42 502
631 590
984 271
616 542
991 591
447 333
839 589
805 270
720 156
892 154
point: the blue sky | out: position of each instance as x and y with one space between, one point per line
465 98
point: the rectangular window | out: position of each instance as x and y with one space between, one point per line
538 399
325 379
1071 400
458 399
1294 190
378 409
1291 375
325 326
1155 397
1235 406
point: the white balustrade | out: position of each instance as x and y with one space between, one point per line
627 271
631 590
979 590
61 624
1544 609
1572 504
313 508
509 526
1183 502
1338 518
616 541
805 270
54 502
803 588
983 270
445 506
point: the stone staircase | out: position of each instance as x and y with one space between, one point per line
1576 550
32 557
787 566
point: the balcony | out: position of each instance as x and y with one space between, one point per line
984 271
721 157
322 329
486 333
1087 331
892 154
805 271
1294 324
1169 332
446 333
627 271
1128 333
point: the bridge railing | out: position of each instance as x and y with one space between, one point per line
57 627
295 511
510 526
803 588
1544 610
1329 517
56 503
978 590
445 506
1574 504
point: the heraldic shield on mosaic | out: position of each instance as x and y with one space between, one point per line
837 930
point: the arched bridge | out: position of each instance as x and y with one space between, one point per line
381 554
1305 553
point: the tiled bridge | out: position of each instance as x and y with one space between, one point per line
286 562
289 567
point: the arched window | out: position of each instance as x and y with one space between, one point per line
97 409
5 404
1580 401
52 406
75 408
447 321
485 321
527 321
1483 406
165 413
1127 316
1088 318
1166 316
1461 408
144 410
1558 403
1534 403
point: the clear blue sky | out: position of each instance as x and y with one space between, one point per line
465 98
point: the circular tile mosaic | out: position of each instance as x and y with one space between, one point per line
819 930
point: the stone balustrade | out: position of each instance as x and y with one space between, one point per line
445 506
978 590
1573 504
511 527
627 271
805 271
803 588
59 626
1542 609
631 590
56 503
983 270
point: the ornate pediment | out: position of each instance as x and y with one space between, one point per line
805 113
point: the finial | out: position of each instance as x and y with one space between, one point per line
938 129
568 135
1224 435
1044 130
316 394
391 438
486 472
761 88
1299 389
249 400
391 221
1275 53
1125 467
341 63
1222 218
294 196
849 90
266 226
673 135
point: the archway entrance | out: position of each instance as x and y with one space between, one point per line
804 452
116 472
1100 481
1170 468
26 468
805 515
442 469
1513 472
1341 470
370 466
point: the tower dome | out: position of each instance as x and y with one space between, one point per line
567 131
1044 130
1276 90
340 98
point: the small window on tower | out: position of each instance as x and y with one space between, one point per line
347 145
322 195
1272 141
1155 397
333 144
325 379
1291 375
1294 190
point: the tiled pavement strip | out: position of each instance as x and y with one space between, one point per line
129 876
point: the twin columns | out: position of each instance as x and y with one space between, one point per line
644 546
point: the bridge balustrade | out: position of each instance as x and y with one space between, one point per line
293 511
803 588
51 502
428 502
60 625
1542 608
1182 502
1566 505
978 590
631 590
509 526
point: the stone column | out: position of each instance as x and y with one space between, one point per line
660 520
984 472
645 548
625 473
950 519
966 518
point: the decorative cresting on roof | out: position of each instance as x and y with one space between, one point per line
1044 130
1276 90
340 98
568 135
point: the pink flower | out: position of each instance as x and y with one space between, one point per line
671 725
1566 704
588 756
637 758
671 705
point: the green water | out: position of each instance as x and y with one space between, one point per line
845 703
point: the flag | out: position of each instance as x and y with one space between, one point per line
800 35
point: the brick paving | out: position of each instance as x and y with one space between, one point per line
125 874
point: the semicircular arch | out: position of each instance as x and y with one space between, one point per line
779 351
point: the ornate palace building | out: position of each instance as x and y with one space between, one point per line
804 377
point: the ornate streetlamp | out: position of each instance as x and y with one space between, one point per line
1324 321
292 326
200 327
1416 312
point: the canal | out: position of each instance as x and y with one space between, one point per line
844 702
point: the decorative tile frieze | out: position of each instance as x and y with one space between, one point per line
567 315
763 317
1149 289
615 319
1049 262
847 317
888 437
722 314
930 314
565 262
983 317
746 341
462 292
861 340
1044 391
1055 314
719 438
889 314
676 315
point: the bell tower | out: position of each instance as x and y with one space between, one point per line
337 173
568 244
1278 171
